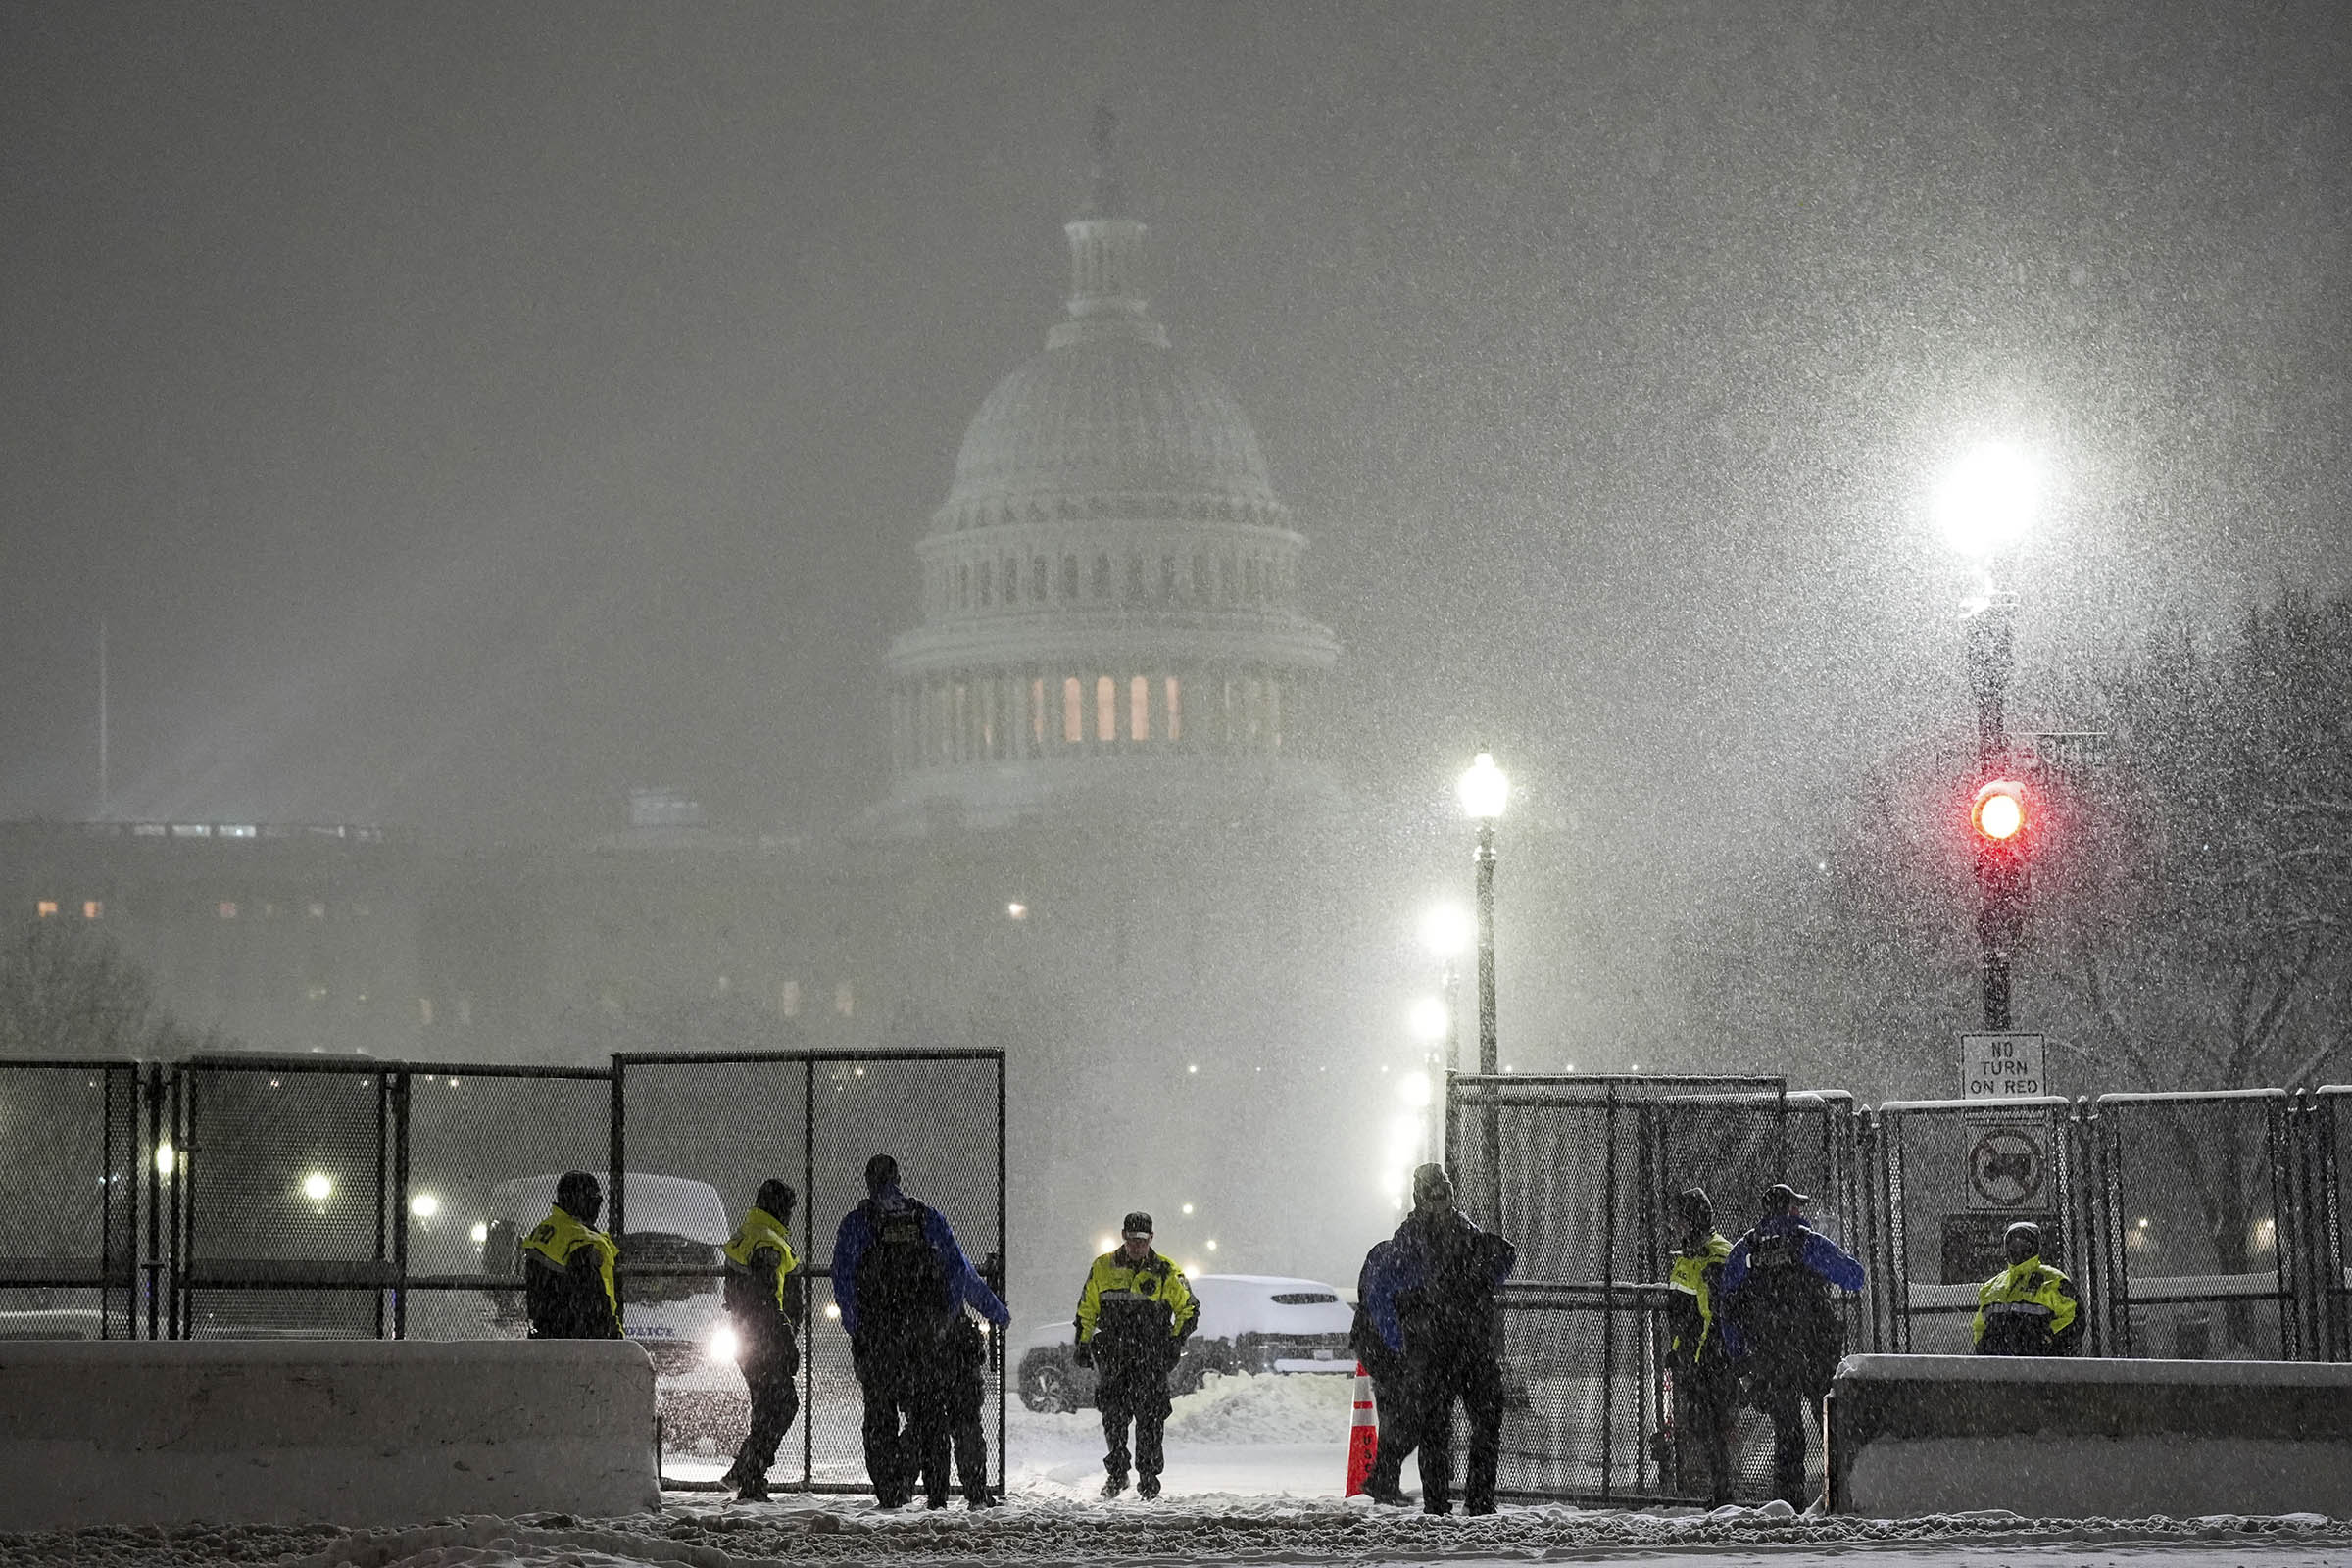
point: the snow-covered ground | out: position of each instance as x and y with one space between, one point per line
1255 1467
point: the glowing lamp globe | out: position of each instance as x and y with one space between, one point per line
1484 788
1987 500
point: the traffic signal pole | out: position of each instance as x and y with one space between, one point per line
2000 864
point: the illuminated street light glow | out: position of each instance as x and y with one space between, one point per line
1017 910
424 1206
1414 1088
1212 1246
1484 788
1987 500
166 1156
724 1344
1447 930
1188 1208
1429 1018
480 1232
318 1187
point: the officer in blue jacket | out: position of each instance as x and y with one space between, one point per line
1777 1282
1432 1299
900 1279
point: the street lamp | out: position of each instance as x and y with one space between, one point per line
1484 788
1984 505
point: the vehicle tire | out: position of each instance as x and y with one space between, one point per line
1048 1386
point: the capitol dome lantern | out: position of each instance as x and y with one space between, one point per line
1110 590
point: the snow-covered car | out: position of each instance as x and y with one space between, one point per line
1248 1323
673 1222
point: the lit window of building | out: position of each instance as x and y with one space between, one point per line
1073 712
93 909
1106 709
228 909
1036 711
1175 708
45 907
1139 708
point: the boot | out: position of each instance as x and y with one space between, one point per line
1147 1487
751 1489
1113 1486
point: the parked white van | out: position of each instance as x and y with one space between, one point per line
673 1222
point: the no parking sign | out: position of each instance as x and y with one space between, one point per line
2008 1165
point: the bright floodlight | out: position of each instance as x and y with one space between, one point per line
480 1232
1987 500
1413 1088
723 1343
1483 788
1447 930
424 1206
1428 1019
166 1156
318 1187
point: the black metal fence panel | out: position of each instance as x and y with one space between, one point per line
480 1148
285 1181
729 1121
2193 1190
2329 1126
70 1164
1580 1172
1949 1177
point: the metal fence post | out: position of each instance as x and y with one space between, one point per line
616 1172
400 1207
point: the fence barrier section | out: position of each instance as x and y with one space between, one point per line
245 1195
1580 1172
2195 1260
70 1224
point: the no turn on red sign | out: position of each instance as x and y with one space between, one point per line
2001 1068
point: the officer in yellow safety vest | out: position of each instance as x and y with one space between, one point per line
764 1302
568 1266
2028 1309
1134 1316
1706 1379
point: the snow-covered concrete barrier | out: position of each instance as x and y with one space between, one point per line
354 1432
2066 1438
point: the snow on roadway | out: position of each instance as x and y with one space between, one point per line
1254 1475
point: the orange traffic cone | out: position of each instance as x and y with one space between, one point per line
1363 1438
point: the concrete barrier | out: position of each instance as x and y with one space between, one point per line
353 1432
2076 1438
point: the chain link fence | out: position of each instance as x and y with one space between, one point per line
1946 1179
70 1227
1579 1173
2195 1257
2330 1223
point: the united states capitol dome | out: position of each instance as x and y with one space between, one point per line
1111 413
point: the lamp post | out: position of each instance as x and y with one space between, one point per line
1984 505
1484 788
1446 931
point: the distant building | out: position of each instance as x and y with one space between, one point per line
1107 845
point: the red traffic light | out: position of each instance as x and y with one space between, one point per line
1999 812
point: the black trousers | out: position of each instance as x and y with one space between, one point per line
1784 1404
1706 1414
1438 1376
1389 1397
1136 1396
967 1392
906 1420
769 1371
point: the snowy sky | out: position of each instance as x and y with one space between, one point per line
462 414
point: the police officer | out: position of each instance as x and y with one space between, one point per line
568 1266
1386 1368
968 1390
1432 1299
1134 1316
2028 1309
899 1277
1778 1280
764 1302
1706 1379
